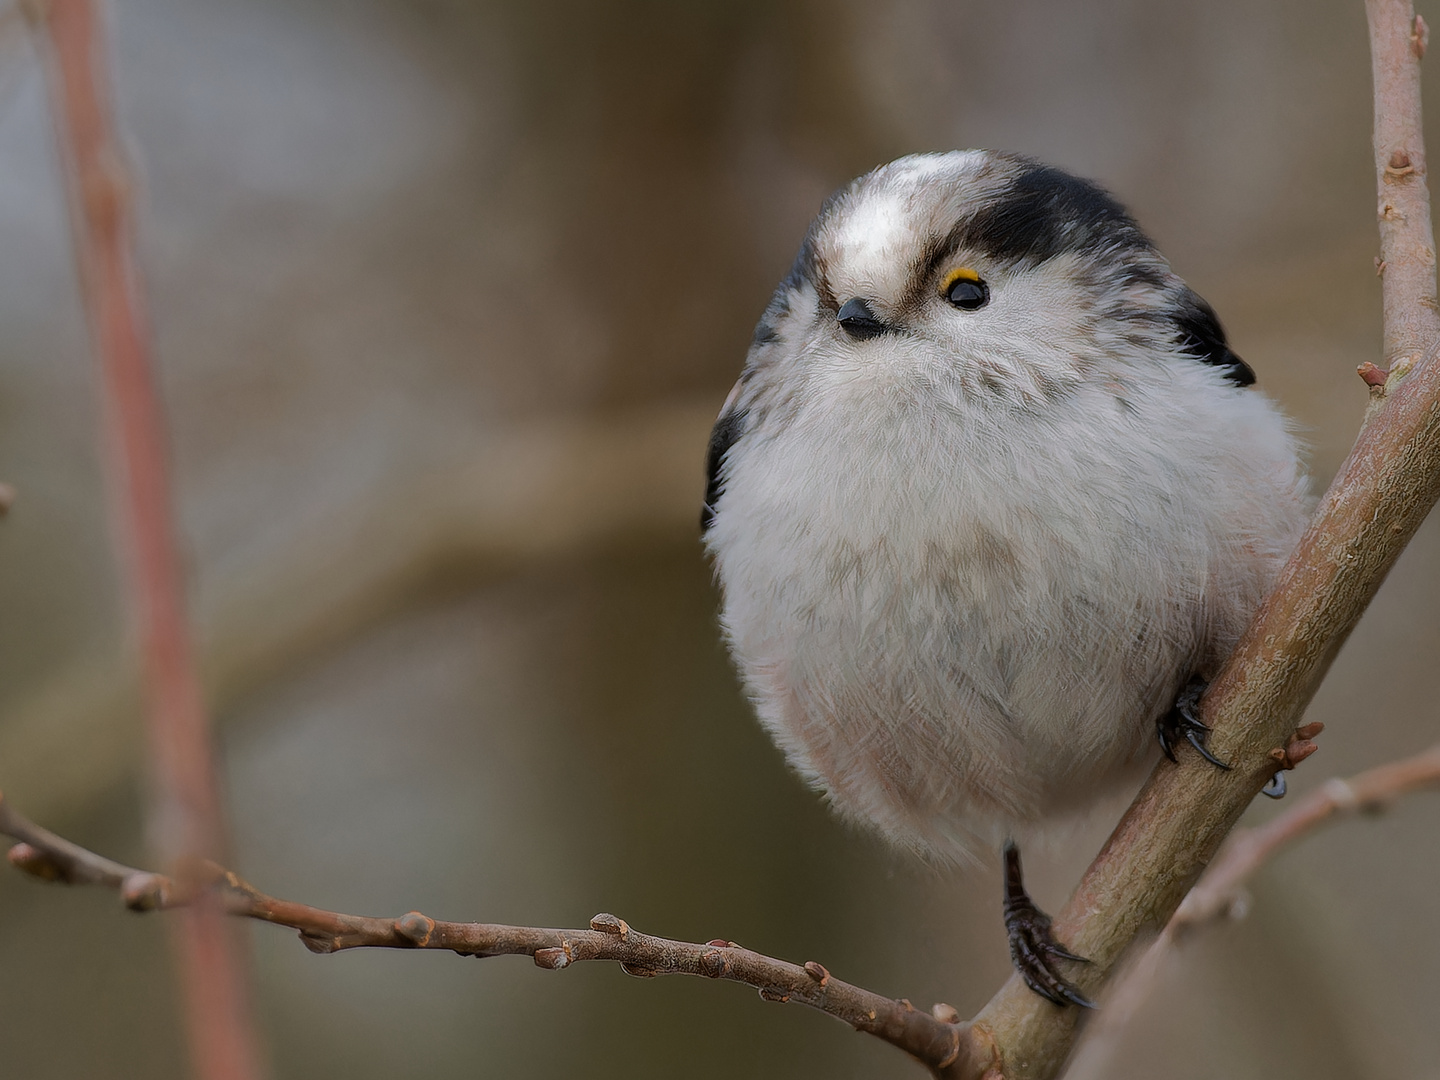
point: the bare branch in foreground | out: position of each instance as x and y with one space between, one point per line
1218 891
935 1038
1378 499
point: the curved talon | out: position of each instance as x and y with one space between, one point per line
1276 787
1196 738
1054 948
1162 730
1075 997
1181 722
1032 945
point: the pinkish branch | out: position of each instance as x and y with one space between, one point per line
184 814
935 1038
1218 890
1249 849
1382 493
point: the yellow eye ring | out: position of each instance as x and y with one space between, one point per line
965 289
963 273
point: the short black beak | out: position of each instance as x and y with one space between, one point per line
859 321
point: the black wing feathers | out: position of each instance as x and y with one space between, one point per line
1202 336
726 431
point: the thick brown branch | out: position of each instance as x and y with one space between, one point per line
1378 499
934 1037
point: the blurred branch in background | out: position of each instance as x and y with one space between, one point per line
519 493
185 820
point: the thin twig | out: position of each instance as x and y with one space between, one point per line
184 816
1218 892
1407 245
935 1038
1249 849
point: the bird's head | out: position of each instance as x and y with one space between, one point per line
980 277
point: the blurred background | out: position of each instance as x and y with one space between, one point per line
445 297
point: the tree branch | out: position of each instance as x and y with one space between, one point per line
1249 849
1216 894
1378 499
1398 38
935 1038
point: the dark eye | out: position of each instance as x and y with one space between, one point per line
968 295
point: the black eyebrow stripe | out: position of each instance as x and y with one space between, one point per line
1047 212
937 251
810 266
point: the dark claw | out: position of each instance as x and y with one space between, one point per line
1055 949
1195 736
1181 722
1075 997
1276 787
1162 729
1031 944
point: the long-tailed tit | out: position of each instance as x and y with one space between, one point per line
991 499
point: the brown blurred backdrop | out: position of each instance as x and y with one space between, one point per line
445 296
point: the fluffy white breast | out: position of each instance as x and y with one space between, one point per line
957 622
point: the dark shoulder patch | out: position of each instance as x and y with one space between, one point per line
1047 212
1201 335
723 435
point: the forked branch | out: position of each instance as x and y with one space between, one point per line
1378 499
1219 890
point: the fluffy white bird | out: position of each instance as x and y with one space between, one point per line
992 492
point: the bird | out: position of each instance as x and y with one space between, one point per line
991 502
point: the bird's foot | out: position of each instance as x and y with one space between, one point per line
1182 723
1033 948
